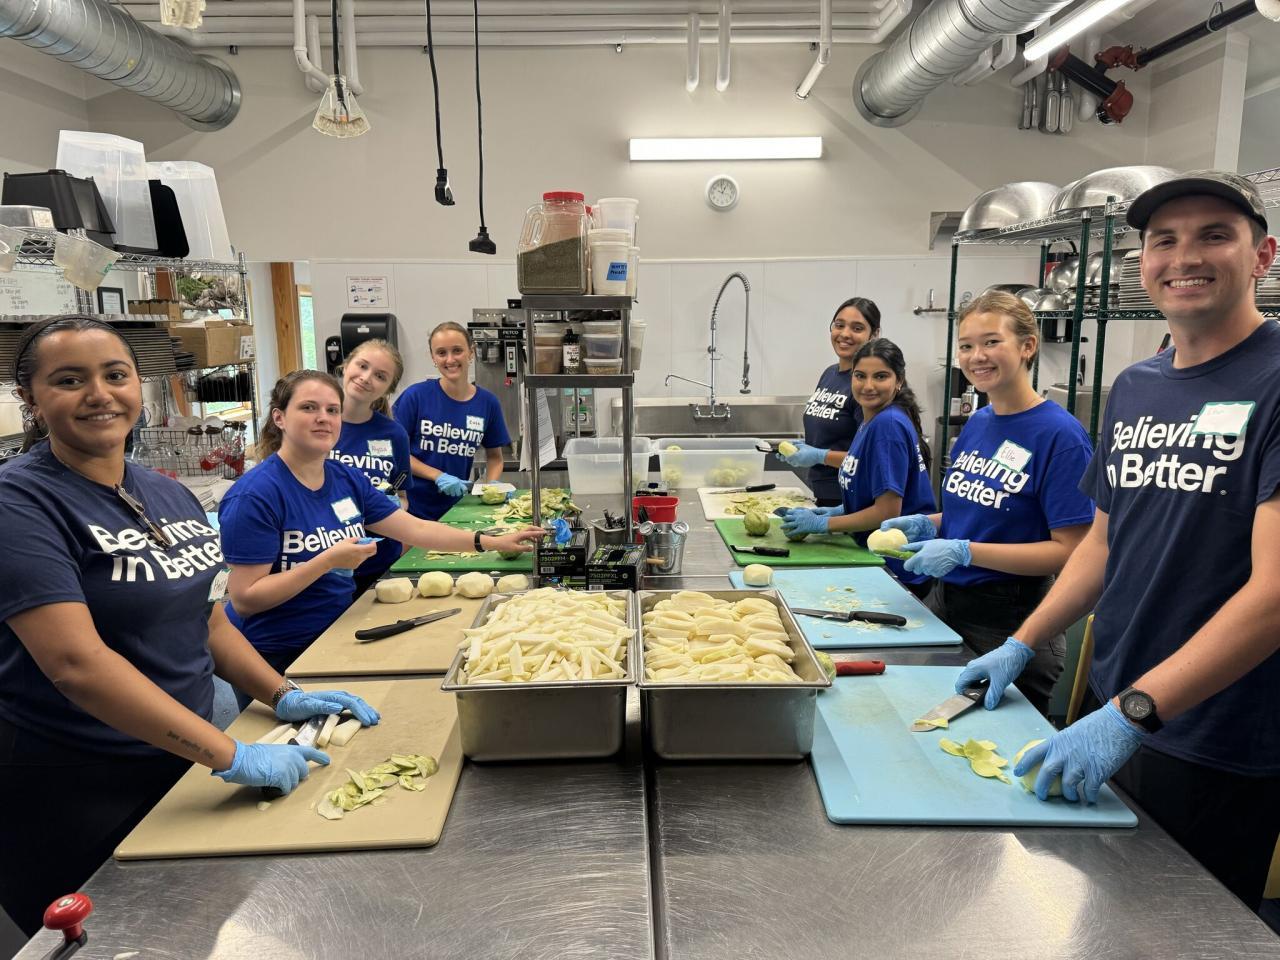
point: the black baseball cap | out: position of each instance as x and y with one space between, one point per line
1231 187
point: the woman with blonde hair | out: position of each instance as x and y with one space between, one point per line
296 526
371 441
448 420
1011 509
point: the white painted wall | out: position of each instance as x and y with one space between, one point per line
1197 98
38 97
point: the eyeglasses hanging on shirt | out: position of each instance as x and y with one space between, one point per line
154 530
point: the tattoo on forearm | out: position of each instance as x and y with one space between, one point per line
190 745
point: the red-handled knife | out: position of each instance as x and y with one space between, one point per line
858 668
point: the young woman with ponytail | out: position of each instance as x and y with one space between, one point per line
886 471
107 651
296 526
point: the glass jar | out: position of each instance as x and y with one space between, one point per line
551 256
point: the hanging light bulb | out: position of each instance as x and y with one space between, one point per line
338 114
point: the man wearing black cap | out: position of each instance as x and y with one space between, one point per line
1182 563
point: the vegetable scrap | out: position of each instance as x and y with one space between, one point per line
982 757
410 771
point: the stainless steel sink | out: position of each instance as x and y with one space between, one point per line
769 418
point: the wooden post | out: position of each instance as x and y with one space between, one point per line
284 298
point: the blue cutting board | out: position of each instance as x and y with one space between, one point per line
872 769
872 589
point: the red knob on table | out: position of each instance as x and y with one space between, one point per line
68 914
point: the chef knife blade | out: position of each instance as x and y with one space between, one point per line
754 488
306 737
400 626
951 707
844 616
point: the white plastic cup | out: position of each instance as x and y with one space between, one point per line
11 239
617 213
633 271
83 262
610 265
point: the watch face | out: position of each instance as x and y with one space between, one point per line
1136 706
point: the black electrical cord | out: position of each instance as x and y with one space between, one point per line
444 193
482 243
337 63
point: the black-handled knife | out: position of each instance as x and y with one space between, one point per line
844 616
400 626
754 488
763 551
306 737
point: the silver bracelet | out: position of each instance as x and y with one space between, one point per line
281 690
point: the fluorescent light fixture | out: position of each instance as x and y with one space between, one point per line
1071 26
725 148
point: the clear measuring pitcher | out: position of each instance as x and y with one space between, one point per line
551 257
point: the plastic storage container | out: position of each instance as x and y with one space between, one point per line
602 346
711 461
200 204
658 509
551 256
633 271
11 239
602 326
119 168
638 327
595 463
601 366
617 213
548 334
610 261
84 263
547 358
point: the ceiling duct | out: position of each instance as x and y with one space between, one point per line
945 39
107 42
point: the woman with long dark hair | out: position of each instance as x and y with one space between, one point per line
107 651
886 471
832 416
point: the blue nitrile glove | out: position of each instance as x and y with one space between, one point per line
820 511
561 531
802 520
279 765
304 704
347 571
1088 752
916 526
1000 666
937 558
395 499
450 485
805 456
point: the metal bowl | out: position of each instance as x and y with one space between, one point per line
1063 276
1123 183
1006 205
1031 295
1051 301
1093 269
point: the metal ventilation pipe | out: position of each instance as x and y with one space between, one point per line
105 41
945 39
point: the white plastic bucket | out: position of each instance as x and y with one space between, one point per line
617 213
610 266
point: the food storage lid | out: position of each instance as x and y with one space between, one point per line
563 196
609 235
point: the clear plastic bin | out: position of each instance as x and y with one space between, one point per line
11 239
196 189
547 359
602 326
602 346
711 461
119 168
84 263
638 327
595 463
601 366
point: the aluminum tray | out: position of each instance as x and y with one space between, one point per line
733 721
543 721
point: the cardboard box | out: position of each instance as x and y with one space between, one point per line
214 341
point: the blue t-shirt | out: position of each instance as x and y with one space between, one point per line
831 418
268 516
885 457
70 540
1014 478
1180 508
445 433
378 448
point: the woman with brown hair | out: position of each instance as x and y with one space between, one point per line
448 420
296 525
107 651
1011 510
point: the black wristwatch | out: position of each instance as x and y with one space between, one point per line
1139 708
479 549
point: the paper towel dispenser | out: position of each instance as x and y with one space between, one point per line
356 328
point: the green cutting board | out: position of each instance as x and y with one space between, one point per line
834 550
416 562
470 512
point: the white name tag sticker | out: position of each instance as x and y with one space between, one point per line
475 423
379 448
345 510
1012 456
218 589
1226 419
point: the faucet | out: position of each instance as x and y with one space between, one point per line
713 410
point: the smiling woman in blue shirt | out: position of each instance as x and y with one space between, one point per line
1011 511
295 526
107 651
832 416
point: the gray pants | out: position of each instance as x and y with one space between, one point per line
985 615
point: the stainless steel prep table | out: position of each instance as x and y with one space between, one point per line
555 861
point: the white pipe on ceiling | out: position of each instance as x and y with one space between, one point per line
316 79
493 8
722 47
824 50
408 19
575 39
348 11
313 51
895 14
1088 102
691 76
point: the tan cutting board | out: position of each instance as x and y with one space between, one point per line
715 506
204 817
426 649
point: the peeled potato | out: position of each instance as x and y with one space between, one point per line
437 583
475 585
757 575
513 583
787 448
1029 778
883 541
398 590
